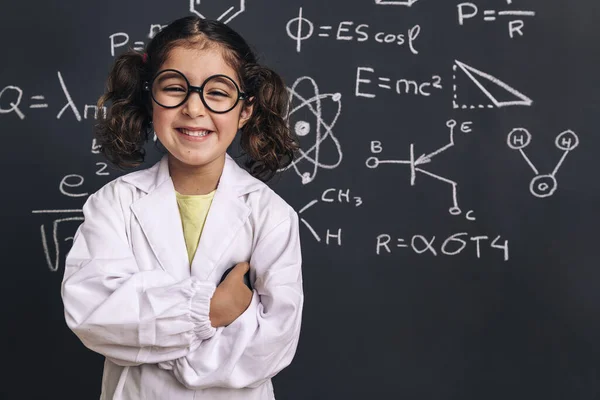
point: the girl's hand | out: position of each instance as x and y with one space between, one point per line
231 298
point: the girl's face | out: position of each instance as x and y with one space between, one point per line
173 126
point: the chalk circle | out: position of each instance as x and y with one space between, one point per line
451 123
568 134
454 211
543 185
513 135
372 162
336 96
302 128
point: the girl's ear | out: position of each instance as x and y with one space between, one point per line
246 113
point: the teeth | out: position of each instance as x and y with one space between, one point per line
194 133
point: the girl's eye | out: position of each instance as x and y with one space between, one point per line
214 93
174 89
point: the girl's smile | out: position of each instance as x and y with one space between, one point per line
194 134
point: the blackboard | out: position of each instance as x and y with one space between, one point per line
447 190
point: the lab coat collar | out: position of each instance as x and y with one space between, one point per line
159 218
233 177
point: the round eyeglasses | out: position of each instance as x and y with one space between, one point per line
170 88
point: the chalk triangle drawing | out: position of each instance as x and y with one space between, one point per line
396 2
478 76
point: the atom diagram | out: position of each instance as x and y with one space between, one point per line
322 130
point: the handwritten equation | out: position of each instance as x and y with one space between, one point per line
400 86
54 239
119 40
12 96
516 23
300 29
450 246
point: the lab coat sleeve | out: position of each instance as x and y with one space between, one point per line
263 339
128 315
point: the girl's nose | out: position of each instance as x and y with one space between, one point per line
194 106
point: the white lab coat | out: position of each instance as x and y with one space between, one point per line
129 294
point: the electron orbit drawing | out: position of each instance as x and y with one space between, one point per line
313 134
542 185
374 162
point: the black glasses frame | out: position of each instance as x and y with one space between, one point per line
200 89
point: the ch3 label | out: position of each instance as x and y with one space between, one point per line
340 196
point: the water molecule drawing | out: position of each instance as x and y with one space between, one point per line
542 185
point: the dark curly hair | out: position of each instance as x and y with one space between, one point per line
266 138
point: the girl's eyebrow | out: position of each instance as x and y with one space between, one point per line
167 75
199 82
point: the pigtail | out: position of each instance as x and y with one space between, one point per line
125 129
266 137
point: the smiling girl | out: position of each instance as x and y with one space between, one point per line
142 283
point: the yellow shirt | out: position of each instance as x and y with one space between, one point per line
193 210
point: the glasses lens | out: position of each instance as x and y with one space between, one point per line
220 93
169 88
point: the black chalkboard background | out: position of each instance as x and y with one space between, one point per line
413 322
